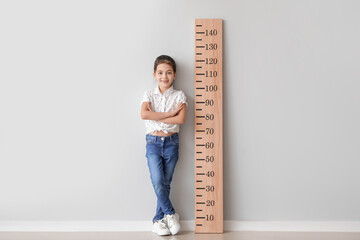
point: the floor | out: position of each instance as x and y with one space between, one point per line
180 236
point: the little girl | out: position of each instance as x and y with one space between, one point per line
163 109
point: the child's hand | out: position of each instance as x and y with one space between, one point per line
149 106
177 109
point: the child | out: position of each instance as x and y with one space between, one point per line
163 109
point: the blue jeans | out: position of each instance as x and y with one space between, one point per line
162 155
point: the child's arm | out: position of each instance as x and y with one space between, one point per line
148 114
177 119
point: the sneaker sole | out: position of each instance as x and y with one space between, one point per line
162 234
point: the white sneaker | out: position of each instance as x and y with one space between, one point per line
159 227
172 222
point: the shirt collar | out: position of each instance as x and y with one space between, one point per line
166 93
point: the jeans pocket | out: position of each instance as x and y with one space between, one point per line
150 139
175 139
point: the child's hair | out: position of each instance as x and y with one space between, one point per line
165 59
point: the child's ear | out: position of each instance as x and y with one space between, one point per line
154 74
174 76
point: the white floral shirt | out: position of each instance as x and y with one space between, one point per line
163 102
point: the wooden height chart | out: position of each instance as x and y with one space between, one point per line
208 126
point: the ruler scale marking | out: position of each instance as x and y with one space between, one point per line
208 126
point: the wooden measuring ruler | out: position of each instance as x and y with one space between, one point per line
208 126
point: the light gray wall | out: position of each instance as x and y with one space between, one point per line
73 73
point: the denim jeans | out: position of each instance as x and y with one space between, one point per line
162 156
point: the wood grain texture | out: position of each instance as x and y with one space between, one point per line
208 126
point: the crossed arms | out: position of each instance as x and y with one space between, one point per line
176 116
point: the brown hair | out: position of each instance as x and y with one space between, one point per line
165 59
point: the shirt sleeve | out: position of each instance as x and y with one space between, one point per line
146 97
182 98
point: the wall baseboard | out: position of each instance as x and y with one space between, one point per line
115 226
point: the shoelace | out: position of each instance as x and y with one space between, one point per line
162 224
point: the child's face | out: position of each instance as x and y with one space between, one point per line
164 75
